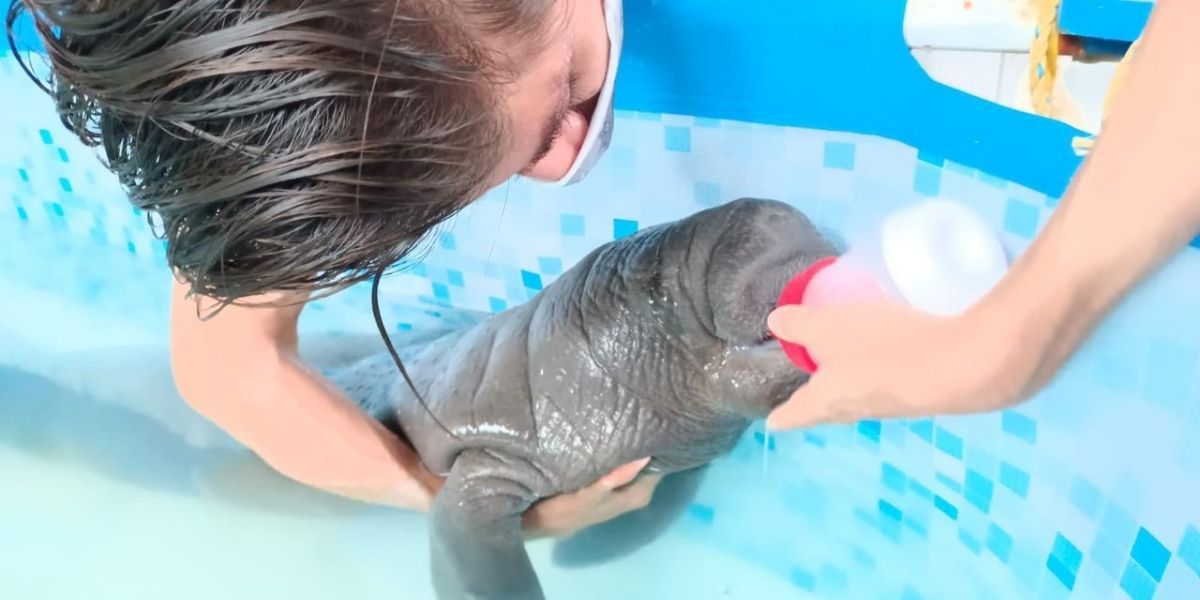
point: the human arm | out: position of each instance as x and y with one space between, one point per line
1133 205
241 370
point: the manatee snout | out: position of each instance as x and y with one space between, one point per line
758 248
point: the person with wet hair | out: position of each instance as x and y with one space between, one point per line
290 148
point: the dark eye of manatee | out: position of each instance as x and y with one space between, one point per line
654 345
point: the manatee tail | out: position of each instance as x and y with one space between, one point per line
632 531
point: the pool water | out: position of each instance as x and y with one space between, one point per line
113 488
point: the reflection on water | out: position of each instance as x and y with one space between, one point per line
110 477
46 420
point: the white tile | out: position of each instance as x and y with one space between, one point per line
1013 66
977 73
992 25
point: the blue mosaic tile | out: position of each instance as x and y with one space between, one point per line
916 525
1137 583
999 542
869 430
1021 218
1085 497
949 443
839 155
761 438
1067 553
572 225
531 280
1064 561
62 155
678 139
497 305
1064 575
910 594
977 490
1151 554
447 241
928 180
863 557
970 542
624 228
455 278
702 512
949 509
937 160
889 510
1014 479
46 137
893 478
1019 426
923 429
707 123
802 579
1189 549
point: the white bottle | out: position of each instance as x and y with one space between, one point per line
937 256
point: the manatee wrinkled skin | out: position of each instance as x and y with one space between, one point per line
653 345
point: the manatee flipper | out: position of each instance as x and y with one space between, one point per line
634 530
476 545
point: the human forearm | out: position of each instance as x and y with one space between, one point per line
1133 205
241 370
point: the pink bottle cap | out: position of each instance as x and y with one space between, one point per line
793 293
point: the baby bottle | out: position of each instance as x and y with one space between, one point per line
937 256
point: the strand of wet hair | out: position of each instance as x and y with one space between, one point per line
387 341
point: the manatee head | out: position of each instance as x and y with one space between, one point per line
678 312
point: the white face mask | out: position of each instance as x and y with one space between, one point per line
600 127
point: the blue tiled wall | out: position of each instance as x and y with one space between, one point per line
1090 490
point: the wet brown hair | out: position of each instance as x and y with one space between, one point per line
286 145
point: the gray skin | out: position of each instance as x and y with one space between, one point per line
654 345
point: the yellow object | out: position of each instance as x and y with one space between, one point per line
1043 72
1043 58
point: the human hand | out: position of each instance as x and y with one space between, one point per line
886 360
613 495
